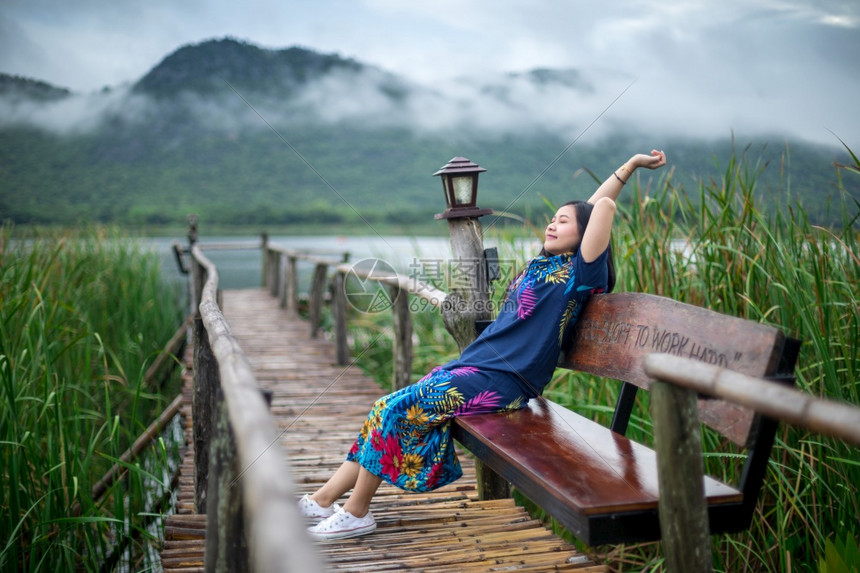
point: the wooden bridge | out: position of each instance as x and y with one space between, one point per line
271 408
319 407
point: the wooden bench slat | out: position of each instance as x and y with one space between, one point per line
616 331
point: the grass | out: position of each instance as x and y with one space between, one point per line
83 313
717 247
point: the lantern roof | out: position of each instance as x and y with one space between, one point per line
460 165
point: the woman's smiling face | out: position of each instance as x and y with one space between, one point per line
562 233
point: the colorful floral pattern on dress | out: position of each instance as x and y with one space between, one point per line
555 270
406 438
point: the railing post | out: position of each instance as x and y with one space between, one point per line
468 301
267 271
195 276
281 291
205 375
274 272
264 244
339 312
317 298
682 508
226 544
205 379
291 292
402 343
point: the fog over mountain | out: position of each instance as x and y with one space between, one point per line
338 91
209 80
786 68
230 128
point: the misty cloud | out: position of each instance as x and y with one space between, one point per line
712 100
74 114
754 66
561 102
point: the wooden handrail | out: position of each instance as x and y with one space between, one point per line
253 522
820 415
179 248
230 246
316 256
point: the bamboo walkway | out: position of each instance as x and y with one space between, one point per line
320 406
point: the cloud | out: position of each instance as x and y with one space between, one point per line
785 66
75 114
566 103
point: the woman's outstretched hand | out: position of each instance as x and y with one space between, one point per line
653 161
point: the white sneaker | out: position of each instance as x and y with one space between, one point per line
342 525
310 508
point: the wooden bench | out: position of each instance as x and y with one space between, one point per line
599 484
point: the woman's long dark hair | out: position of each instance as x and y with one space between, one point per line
582 211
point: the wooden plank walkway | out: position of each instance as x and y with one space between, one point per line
320 407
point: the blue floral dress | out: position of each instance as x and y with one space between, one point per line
406 439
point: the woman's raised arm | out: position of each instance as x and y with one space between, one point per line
611 188
596 236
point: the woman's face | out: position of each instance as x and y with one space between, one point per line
562 233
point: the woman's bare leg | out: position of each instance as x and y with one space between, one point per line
343 480
358 503
348 476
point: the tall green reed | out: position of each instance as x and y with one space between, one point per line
82 314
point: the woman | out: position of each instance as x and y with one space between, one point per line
406 438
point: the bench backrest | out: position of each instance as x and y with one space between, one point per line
616 331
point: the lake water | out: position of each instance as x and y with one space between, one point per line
427 258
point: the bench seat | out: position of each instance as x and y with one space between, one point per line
609 494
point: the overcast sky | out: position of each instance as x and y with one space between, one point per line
747 66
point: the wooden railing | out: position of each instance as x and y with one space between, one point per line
243 480
281 278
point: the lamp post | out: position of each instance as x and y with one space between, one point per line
468 301
467 307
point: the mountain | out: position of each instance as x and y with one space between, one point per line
206 68
244 135
17 88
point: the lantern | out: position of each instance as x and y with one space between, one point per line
460 183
